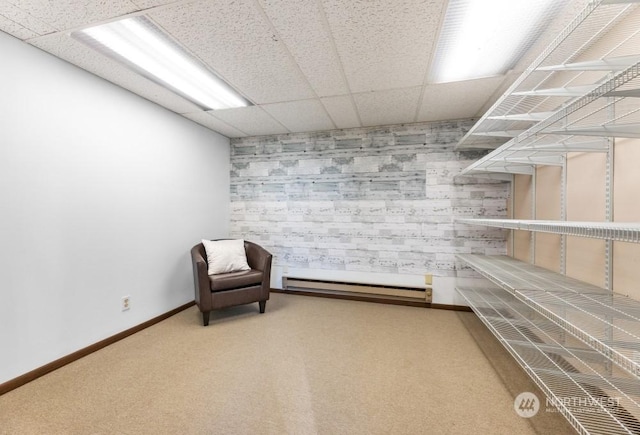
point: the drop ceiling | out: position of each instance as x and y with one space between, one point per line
307 65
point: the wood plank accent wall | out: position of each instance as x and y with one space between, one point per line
368 200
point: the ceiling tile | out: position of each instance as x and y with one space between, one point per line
252 120
384 44
75 52
342 110
396 106
297 60
301 116
15 29
234 38
457 100
145 4
303 29
205 119
13 19
67 14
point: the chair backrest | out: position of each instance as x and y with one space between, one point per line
252 250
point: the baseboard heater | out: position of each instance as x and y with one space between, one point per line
365 290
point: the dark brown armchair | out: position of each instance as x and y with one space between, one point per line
234 288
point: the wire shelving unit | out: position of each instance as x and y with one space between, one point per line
575 377
560 74
572 128
575 340
618 231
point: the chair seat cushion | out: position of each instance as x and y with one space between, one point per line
233 280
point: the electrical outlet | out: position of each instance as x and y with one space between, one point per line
126 303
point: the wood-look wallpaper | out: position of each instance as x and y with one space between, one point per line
370 199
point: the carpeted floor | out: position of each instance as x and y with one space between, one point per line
307 366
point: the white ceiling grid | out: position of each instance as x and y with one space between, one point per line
207 120
15 29
388 107
305 34
300 116
252 120
342 111
384 45
67 14
457 99
233 36
22 22
307 65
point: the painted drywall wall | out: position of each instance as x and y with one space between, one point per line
586 200
626 208
369 204
548 207
103 194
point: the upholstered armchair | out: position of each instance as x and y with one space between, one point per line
233 288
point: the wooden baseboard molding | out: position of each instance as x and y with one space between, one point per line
47 368
376 299
451 307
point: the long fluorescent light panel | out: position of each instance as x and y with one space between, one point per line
484 38
142 46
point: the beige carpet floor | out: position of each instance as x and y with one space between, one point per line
307 366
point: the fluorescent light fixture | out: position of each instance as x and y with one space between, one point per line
484 38
142 46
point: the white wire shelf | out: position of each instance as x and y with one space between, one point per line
610 130
533 116
607 322
606 64
575 379
562 67
618 231
576 119
500 133
569 91
513 275
600 145
633 93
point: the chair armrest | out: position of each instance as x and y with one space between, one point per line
201 277
258 257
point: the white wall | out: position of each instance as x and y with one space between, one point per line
102 195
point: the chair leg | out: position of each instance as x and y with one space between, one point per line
205 318
262 304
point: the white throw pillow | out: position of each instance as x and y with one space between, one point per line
225 256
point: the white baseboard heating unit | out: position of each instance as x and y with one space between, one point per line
365 290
